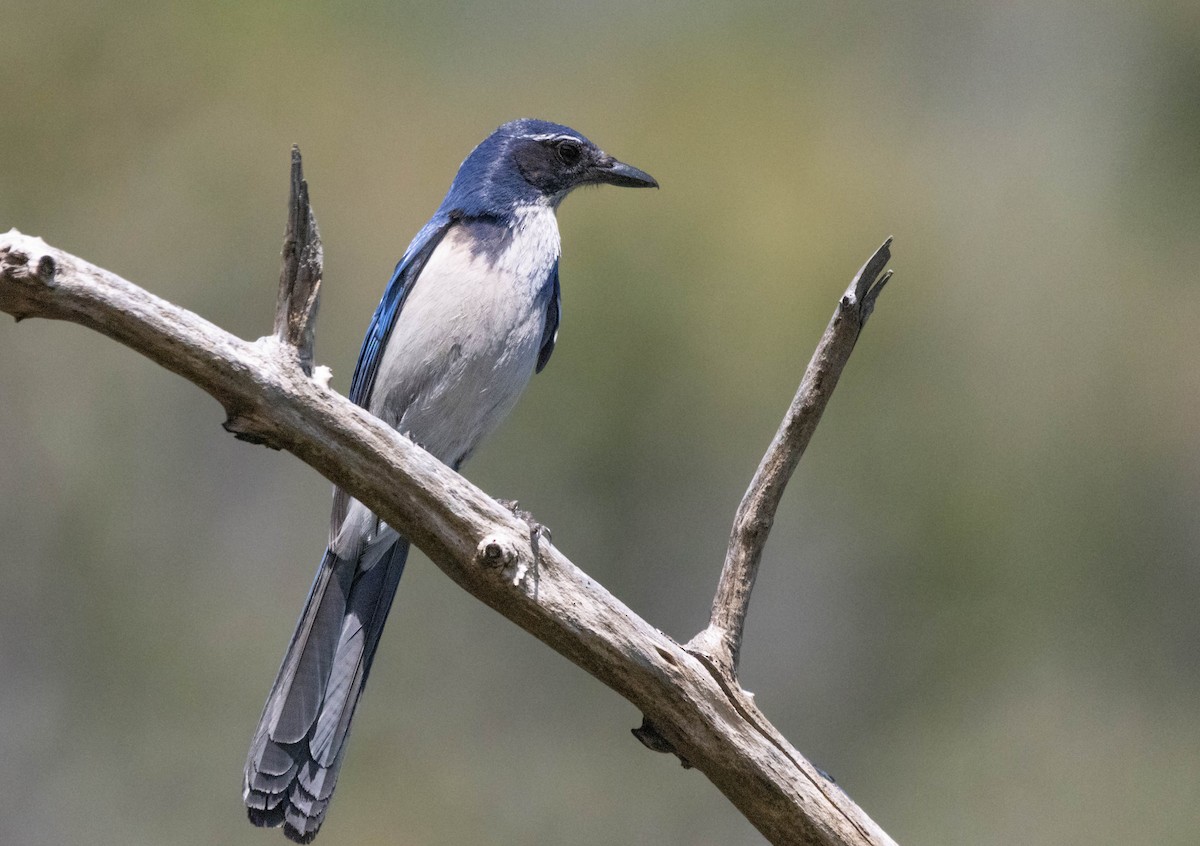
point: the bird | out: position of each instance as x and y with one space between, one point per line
469 315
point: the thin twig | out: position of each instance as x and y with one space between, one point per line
722 640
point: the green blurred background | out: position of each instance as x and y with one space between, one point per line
980 607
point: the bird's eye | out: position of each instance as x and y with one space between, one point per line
569 153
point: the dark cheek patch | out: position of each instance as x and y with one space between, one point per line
532 163
539 166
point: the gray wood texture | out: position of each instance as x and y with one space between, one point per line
689 694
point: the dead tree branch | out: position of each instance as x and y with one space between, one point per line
300 278
722 640
692 705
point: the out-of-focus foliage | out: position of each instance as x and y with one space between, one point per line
980 608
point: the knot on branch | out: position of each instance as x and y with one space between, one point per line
16 262
497 551
246 428
503 552
27 264
46 268
653 740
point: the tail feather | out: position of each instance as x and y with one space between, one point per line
275 770
297 750
299 692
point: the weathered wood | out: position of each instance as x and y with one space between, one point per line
300 277
691 701
722 640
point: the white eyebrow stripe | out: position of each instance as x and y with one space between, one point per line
554 136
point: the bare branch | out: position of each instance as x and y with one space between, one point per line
300 278
710 723
721 642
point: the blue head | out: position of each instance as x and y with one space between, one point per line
527 162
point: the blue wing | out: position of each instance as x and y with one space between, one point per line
553 311
405 274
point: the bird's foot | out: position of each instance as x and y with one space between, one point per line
537 533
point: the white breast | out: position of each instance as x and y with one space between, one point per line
466 342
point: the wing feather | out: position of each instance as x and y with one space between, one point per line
394 295
553 311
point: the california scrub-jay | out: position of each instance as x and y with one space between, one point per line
469 315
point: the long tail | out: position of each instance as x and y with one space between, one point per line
301 738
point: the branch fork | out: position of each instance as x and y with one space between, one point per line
689 695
